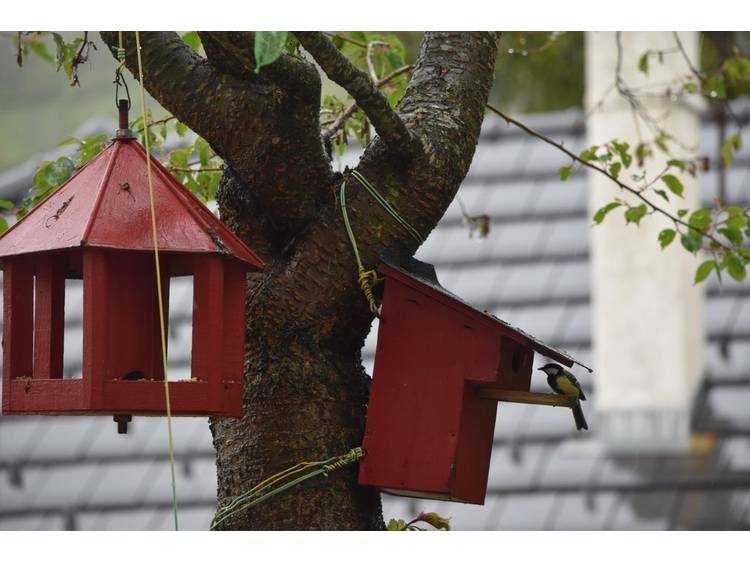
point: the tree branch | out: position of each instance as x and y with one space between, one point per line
443 106
232 51
349 111
272 145
386 121
636 192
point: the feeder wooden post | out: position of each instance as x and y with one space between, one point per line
18 323
49 317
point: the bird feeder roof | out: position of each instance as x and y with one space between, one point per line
105 204
421 276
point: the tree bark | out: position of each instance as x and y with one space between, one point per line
306 390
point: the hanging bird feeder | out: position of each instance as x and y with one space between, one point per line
97 228
441 366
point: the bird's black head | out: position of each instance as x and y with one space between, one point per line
551 369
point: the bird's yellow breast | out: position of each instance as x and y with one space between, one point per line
567 387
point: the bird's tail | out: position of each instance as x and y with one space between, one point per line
579 417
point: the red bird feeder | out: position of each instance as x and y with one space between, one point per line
440 368
96 227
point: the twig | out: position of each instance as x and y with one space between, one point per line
386 121
158 122
193 170
349 111
370 54
346 38
80 58
581 161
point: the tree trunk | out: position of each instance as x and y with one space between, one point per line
305 388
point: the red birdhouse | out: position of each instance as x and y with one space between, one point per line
440 367
97 228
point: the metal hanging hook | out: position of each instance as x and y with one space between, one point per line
120 81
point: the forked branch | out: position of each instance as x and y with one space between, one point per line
359 85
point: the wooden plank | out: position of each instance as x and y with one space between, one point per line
48 396
49 321
207 363
18 323
95 325
518 397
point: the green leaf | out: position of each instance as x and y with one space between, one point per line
6 204
89 147
666 236
736 268
704 270
691 87
728 147
40 49
662 194
180 128
602 213
565 172
716 87
3 224
589 154
661 142
700 219
643 63
52 174
622 149
614 169
635 214
396 525
269 46
734 235
674 184
192 40
203 150
679 164
642 151
738 222
682 212
692 242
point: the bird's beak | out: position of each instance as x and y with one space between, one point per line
540 369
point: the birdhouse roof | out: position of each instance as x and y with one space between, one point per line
422 277
105 204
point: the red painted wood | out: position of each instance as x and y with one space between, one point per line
18 336
49 316
98 227
49 396
208 324
95 336
131 317
106 205
428 433
233 317
492 322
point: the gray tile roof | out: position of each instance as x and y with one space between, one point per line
532 271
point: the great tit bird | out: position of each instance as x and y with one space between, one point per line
564 382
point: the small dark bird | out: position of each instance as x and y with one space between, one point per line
564 382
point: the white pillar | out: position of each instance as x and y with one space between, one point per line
647 316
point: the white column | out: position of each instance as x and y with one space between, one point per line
647 315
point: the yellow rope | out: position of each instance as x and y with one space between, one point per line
154 233
367 279
282 481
